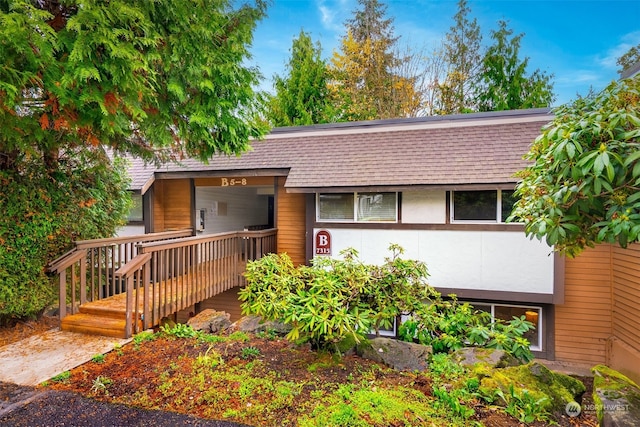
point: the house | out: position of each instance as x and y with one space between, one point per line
440 187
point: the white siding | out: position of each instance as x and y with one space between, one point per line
243 207
486 260
424 207
130 230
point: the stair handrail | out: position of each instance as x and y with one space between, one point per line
138 265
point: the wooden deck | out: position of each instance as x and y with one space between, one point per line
187 271
108 316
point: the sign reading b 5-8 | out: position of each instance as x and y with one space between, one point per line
231 182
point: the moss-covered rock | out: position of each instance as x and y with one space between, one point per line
550 390
616 398
471 356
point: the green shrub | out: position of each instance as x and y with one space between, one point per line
44 209
448 325
334 298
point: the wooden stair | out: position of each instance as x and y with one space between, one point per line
104 317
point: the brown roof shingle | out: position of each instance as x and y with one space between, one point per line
482 148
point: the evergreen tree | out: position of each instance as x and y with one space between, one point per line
502 81
462 54
302 97
80 79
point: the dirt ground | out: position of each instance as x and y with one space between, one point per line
136 376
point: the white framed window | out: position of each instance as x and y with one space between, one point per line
507 312
357 207
481 206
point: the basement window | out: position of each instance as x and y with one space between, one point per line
507 312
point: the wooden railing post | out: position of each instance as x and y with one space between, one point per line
127 274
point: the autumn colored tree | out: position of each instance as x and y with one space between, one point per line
583 186
302 96
157 79
364 82
503 83
463 57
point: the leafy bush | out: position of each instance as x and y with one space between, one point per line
334 298
448 325
44 209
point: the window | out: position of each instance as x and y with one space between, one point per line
335 207
507 312
135 213
482 206
357 207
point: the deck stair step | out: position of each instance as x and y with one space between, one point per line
94 325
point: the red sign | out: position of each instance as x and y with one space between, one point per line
323 243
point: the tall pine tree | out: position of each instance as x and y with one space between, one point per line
503 83
302 96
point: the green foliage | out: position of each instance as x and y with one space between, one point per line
143 336
151 78
302 97
334 299
62 377
101 384
179 330
583 187
448 325
98 358
365 81
250 352
156 79
502 83
462 55
523 406
44 209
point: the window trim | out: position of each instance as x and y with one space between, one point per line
496 220
355 219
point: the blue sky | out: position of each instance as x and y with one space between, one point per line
577 41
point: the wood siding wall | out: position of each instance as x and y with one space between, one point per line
624 353
172 205
584 322
290 222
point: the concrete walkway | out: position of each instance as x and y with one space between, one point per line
40 357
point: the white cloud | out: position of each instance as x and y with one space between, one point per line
627 42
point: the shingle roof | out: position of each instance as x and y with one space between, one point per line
481 148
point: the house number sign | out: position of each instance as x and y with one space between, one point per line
323 243
231 182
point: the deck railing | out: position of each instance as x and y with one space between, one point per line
168 276
87 272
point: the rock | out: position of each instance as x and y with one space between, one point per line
470 356
398 355
210 320
255 324
616 398
551 390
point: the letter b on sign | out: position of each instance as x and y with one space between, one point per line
323 243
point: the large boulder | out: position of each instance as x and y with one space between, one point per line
398 355
616 398
551 391
210 321
470 356
255 324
